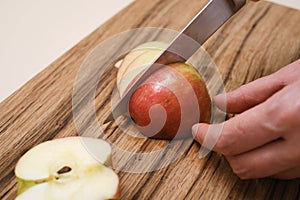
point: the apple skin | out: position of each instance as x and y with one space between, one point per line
156 90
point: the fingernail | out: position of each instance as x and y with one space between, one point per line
195 129
220 100
199 131
220 97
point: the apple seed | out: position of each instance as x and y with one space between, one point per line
64 170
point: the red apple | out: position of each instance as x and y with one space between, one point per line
167 89
170 101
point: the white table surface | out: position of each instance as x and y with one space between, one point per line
34 33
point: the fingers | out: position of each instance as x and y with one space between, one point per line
266 161
288 174
249 95
239 134
259 90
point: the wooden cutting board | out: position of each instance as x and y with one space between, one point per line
259 40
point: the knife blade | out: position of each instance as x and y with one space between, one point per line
207 21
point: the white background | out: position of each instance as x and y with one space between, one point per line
33 33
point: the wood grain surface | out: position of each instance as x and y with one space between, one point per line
259 40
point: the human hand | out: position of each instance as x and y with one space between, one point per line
264 139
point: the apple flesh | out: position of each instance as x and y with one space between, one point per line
66 169
163 88
136 61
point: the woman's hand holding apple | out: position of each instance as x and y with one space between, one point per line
263 140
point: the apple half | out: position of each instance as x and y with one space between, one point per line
65 168
173 80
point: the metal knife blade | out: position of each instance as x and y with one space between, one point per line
188 41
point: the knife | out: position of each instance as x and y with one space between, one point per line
186 43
